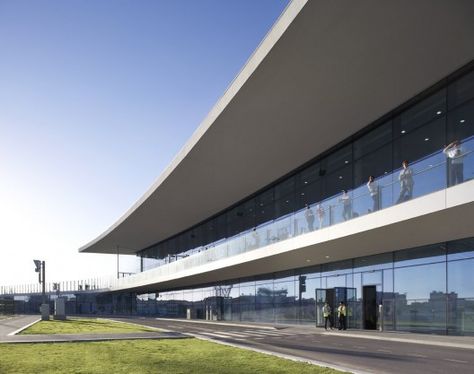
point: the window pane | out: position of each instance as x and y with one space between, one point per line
265 293
461 278
336 268
338 181
420 114
421 305
420 255
461 122
373 140
461 90
420 143
461 296
285 188
309 194
308 175
460 249
376 163
338 159
264 198
336 281
221 226
375 262
284 206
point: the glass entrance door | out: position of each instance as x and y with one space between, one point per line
320 300
369 299
351 305
334 296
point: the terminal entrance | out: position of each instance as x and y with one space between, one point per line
334 296
369 311
360 313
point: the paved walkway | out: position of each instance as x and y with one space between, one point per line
10 325
466 342
356 351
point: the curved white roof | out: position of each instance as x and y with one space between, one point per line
324 71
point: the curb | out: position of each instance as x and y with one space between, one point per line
92 339
23 328
402 340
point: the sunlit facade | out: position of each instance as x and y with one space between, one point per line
426 289
269 211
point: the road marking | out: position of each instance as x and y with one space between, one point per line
199 328
457 361
236 335
416 355
262 334
316 341
259 338
384 350
215 335
266 333
360 347
270 333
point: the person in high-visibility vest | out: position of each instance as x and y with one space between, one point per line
341 313
327 315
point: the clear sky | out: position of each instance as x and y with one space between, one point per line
96 98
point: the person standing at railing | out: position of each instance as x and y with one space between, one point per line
453 152
346 205
320 211
374 193
256 238
309 215
406 183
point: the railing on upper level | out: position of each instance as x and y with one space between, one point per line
429 174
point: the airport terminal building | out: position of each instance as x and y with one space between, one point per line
267 211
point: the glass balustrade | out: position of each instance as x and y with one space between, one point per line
429 174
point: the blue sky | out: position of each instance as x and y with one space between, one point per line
96 98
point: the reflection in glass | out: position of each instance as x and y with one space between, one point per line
420 298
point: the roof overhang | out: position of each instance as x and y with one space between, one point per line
324 71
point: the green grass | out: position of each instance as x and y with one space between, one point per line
187 356
83 326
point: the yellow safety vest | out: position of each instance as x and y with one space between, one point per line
341 311
326 311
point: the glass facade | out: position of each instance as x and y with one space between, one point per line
311 197
426 289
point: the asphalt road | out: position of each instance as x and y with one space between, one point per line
355 354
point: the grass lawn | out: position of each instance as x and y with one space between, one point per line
83 326
143 356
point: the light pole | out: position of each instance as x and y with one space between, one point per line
41 270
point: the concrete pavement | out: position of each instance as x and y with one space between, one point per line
12 324
352 350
